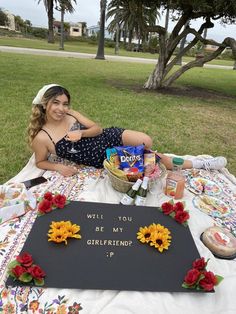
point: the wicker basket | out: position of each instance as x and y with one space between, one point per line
122 185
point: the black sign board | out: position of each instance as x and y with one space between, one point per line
109 256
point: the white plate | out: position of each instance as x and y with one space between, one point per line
205 186
212 206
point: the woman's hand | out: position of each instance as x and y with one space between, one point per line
66 171
73 136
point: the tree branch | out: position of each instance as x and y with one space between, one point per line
227 42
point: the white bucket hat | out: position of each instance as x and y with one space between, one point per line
38 98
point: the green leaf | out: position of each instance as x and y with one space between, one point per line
39 282
185 285
13 264
171 201
26 277
219 279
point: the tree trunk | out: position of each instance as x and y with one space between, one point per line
234 68
117 38
155 79
50 24
100 51
167 19
61 47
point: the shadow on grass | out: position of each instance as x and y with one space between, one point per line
181 91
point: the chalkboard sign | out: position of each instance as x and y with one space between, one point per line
109 256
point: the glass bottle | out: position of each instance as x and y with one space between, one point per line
141 195
128 197
175 181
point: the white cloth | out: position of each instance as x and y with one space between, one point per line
38 98
128 302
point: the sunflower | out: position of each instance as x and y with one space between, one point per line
158 228
72 231
58 225
161 241
58 236
61 230
144 234
156 235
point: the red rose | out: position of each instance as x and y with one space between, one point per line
179 206
45 206
48 196
181 216
200 263
25 259
167 208
208 282
36 272
18 270
59 200
192 277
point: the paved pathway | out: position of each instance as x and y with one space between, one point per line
91 56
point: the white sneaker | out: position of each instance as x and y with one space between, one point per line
212 163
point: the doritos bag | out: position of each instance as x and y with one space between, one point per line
131 157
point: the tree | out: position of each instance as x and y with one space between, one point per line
183 11
64 6
133 15
100 51
3 18
49 4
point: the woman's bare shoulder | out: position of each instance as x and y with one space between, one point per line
41 138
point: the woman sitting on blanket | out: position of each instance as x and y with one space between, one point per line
52 119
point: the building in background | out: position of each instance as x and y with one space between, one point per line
73 29
94 30
11 21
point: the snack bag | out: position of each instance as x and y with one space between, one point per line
131 157
113 157
149 159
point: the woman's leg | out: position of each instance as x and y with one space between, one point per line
167 161
135 138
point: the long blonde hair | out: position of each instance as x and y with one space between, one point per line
38 114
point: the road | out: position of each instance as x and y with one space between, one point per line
91 56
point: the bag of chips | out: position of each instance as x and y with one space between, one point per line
131 157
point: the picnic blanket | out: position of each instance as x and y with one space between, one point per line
93 185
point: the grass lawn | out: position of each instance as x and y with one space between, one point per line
198 116
84 47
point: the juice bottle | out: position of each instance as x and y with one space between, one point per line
175 181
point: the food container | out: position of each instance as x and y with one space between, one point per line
220 242
15 201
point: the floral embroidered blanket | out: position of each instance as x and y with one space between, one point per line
91 184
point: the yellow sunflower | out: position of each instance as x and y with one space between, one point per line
61 230
58 236
58 225
72 231
161 241
158 228
144 234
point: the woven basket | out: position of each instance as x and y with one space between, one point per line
123 186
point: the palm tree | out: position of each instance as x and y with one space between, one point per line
64 6
49 9
134 15
100 51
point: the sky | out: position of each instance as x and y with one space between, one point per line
86 11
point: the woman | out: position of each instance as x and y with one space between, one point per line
50 132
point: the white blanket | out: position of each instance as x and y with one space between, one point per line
126 302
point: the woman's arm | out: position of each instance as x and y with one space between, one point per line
93 129
41 154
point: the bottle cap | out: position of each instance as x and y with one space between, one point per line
177 161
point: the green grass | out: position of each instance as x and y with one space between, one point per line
111 93
84 47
